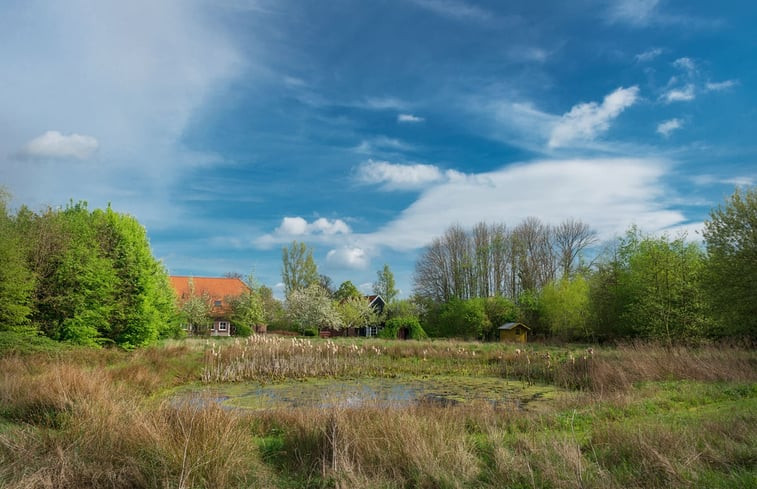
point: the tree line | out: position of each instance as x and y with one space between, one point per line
87 277
469 281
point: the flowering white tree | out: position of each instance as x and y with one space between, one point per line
356 312
312 307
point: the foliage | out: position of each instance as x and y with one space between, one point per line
464 318
196 310
16 279
246 312
384 284
312 307
403 308
298 269
731 271
410 323
498 310
347 290
356 312
564 308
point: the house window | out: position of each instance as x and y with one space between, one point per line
217 303
371 331
223 325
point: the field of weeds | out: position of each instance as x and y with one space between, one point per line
630 416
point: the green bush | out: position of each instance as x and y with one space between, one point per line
393 326
310 332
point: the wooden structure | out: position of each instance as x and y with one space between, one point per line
514 332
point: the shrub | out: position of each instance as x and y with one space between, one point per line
394 325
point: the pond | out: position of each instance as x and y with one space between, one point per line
442 390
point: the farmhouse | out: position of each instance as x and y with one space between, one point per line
217 291
514 332
378 304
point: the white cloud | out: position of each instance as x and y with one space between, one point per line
587 120
409 118
667 127
648 55
686 64
381 144
455 9
719 86
348 257
684 94
634 12
397 176
53 144
298 226
610 194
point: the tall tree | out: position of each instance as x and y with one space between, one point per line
298 270
731 273
384 284
572 237
312 307
564 307
16 279
347 290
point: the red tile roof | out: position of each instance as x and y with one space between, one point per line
216 287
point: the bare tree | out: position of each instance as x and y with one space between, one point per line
571 237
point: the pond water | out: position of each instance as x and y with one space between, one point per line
444 391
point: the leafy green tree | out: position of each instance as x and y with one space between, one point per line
403 308
564 307
731 268
273 310
410 323
356 312
464 318
499 310
312 307
347 290
246 312
298 269
16 279
384 284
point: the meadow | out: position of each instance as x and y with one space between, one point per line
633 415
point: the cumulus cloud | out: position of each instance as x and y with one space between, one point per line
586 121
348 257
719 86
409 118
684 94
298 226
53 144
667 127
393 176
610 194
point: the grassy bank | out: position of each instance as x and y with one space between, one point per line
633 416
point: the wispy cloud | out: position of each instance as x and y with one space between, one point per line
380 144
684 94
393 176
586 121
634 12
455 9
667 127
720 86
648 55
686 64
55 145
409 118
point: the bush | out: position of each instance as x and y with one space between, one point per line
310 332
394 325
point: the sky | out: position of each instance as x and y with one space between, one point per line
230 128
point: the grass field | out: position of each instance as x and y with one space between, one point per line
628 416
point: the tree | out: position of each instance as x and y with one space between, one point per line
356 312
311 307
16 279
196 311
246 312
498 310
384 284
347 290
464 318
564 307
571 237
298 269
326 283
731 268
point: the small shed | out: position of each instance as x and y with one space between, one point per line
514 332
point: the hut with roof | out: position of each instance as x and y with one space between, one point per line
218 291
514 332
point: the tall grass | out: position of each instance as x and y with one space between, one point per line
640 416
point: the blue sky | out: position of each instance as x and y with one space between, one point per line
230 128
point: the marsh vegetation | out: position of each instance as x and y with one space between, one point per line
637 415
